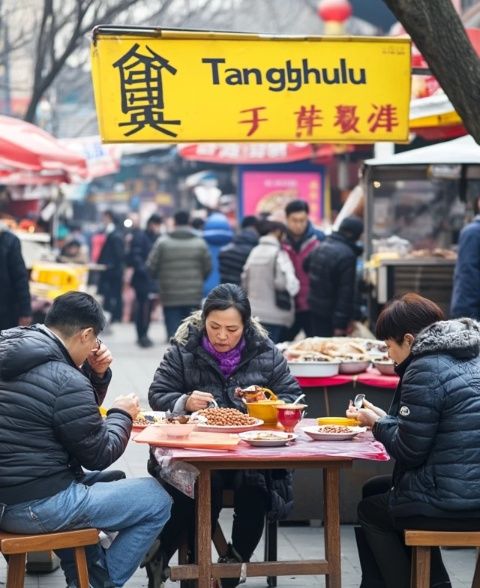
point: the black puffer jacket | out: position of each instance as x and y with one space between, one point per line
233 256
435 435
14 292
49 417
332 272
186 367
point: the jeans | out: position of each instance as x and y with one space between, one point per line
274 331
174 315
137 508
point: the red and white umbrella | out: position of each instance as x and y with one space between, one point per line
28 152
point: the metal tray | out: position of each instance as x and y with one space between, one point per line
314 369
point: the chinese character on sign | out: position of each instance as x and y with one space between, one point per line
383 117
346 118
308 119
255 120
141 89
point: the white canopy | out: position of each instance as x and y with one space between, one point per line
459 151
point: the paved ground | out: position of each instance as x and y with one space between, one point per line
133 369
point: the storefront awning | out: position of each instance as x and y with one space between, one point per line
257 153
27 148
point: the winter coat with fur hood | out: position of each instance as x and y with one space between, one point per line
186 367
435 434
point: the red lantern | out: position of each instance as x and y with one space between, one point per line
334 10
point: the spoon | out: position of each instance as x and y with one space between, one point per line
358 401
297 400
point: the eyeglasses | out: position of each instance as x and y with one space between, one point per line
99 344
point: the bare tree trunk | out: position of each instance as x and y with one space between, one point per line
438 32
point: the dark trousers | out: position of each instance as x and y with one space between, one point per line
384 557
274 331
303 322
111 287
321 326
174 315
250 507
143 312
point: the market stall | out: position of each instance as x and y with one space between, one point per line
415 207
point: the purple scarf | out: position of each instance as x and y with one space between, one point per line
227 360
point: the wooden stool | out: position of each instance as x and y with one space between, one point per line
422 541
17 547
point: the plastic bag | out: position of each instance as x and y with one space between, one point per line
178 474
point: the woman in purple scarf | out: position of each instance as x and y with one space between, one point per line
213 352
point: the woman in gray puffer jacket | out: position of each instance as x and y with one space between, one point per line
432 431
213 352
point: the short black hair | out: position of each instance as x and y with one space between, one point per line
181 218
249 221
411 313
269 226
227 296
155 219
198 223
297 206
74 311
112 216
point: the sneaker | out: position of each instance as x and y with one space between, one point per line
232 556
153 562
145 342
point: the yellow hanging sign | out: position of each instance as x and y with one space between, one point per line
182 86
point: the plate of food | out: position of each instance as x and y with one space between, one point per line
267 438
333 432
225 420
148 417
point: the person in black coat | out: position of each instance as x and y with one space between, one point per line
52 379
15 305
112 256
142 282
233 256
332 271
431 430
213 352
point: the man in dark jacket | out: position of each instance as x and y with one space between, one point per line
302 239
332 272
466 280
112 256
52 379
143 284
15 308
180 262
233 256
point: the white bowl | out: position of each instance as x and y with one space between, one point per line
176 431
387 368
354 367
314 369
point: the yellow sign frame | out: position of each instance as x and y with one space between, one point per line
183 86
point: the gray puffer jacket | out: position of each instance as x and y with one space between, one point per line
50 422
435 435
186 367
